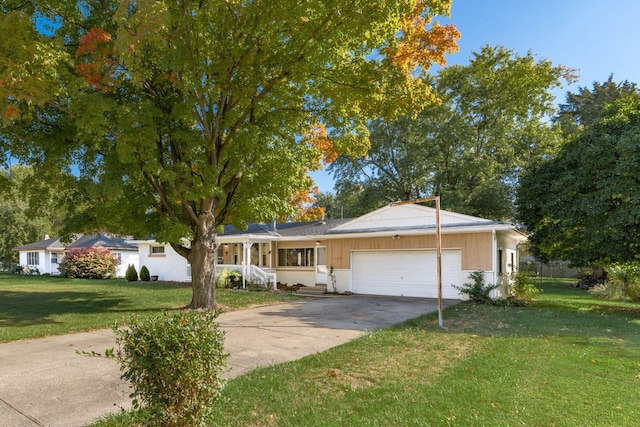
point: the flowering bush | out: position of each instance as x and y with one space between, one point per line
88 263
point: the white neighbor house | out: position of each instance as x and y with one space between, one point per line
47 254
390 251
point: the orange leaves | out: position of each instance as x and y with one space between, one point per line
317 137
422 42
98 64
304 210
11 112
93 41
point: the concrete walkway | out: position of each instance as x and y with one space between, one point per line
44 382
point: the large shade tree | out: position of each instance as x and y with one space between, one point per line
583 205
185 115
492 121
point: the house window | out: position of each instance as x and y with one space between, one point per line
298 257
54 258
33 258
499 261
157 250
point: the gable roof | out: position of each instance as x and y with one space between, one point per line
50 244
412 217
83 241
102 241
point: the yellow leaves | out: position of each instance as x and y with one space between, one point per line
422 42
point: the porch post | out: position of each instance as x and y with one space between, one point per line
244 264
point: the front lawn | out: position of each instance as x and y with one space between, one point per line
566 360
37 306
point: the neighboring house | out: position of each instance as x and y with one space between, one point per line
390 251
47 254
124 251
44 255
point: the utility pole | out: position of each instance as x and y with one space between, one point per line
438 247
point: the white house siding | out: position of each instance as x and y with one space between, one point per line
508 265
126 258
42 260
168 266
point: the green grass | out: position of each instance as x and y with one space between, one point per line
38 306
566 360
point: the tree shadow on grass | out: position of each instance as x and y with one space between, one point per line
28 308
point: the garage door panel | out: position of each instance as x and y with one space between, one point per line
405 273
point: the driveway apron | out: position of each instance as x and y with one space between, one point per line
45 382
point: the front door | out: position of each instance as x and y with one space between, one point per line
321 265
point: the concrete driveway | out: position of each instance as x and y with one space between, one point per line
44 382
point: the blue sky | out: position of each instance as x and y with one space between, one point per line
598 38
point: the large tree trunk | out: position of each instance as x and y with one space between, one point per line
202 258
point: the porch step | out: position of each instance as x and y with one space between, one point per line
312 290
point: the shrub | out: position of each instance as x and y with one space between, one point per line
508 302
522 286
175 364
623 283
477 291
131 274
228 279
88 263
25 271
144 274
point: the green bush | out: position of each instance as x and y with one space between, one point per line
144 274
508 302
522 286
88 263
623 283
175 364
228 279
477 290
131 274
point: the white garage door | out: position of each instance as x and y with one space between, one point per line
405 273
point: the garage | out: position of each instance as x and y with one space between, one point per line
409 273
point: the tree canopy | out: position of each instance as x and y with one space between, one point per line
184 116
29 208
583 205
585 106
469 149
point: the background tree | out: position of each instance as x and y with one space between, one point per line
492 121
29 209
585 106
582 205
184 116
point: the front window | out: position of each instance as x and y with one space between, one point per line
54 258
33 258
296 257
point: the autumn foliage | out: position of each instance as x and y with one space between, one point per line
422 41
304 210
317 137
98 64
89 263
